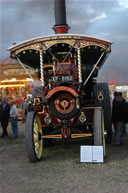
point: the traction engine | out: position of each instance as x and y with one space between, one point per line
68 103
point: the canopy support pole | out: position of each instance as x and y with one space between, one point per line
79 65
41 68
93 68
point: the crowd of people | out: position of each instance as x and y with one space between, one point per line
8 111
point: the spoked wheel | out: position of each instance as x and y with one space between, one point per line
33 133
99 135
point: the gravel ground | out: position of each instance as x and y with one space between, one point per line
60 170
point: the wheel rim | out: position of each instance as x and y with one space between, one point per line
37 133
103 134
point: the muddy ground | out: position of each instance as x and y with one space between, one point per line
60 170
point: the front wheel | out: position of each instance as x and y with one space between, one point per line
33 137
99 135
102 98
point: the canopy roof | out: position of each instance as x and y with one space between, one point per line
29 51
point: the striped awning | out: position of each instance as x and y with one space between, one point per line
8 61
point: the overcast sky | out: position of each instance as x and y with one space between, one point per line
22 20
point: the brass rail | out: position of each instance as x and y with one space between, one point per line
59 136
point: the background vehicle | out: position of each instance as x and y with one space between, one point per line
69 103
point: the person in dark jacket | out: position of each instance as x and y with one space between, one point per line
115 95
4 116
126 117
118 116
24 110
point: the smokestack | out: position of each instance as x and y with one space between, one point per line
61 25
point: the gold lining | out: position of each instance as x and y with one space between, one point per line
76 43
30 47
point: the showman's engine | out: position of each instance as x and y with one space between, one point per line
69 103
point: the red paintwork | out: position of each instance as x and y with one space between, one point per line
64 103
42 116
61 29
61 88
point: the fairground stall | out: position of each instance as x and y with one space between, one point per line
15 83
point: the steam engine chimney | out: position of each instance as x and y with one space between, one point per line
61 25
